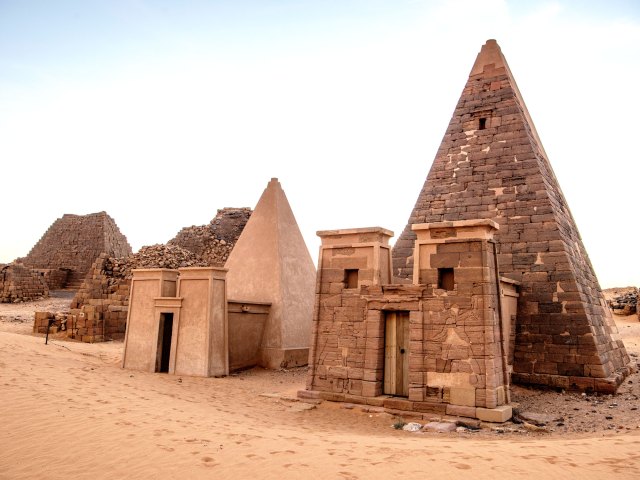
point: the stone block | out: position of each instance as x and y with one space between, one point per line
398 403
495 415
462 396
371 389
461 411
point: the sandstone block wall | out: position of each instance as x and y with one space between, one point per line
21 284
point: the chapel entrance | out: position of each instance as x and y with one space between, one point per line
164 342
396 354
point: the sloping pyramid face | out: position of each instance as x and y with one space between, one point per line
75 241
271 263
491 164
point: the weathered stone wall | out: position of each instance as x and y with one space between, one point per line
73 242
454 358
21 284
491 165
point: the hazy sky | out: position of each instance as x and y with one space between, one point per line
161 112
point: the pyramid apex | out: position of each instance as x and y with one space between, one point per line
490 53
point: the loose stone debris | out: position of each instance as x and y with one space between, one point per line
214 242
626 303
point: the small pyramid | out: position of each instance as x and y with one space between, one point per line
491 164
271 263
74 242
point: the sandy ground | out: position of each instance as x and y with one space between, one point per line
69 411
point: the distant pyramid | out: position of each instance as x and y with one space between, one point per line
74 242
271 263
491 164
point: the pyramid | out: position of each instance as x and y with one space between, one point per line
271 263
74 242
491 164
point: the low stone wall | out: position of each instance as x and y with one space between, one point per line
20 284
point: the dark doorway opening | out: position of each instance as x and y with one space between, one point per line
164 342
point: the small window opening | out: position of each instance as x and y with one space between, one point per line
482 123
445 278
351 278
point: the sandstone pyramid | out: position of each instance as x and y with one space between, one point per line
74 242
491 164
271 263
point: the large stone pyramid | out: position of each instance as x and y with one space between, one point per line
491 164
271 263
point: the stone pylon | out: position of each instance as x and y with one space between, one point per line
271 263
491 164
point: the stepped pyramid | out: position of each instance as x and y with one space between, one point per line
74 242
271 263
491 164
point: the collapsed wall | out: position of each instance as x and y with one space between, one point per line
20 284
68 248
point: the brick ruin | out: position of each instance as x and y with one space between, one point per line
21 284
72 243
98 311
491 165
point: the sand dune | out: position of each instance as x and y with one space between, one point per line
70 411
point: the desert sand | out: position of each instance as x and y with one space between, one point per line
68 410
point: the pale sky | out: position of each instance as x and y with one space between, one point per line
161 112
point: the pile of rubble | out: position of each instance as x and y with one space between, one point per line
625 303
213 242
153 256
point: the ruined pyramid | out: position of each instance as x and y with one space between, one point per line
74 242
491 164
271 263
